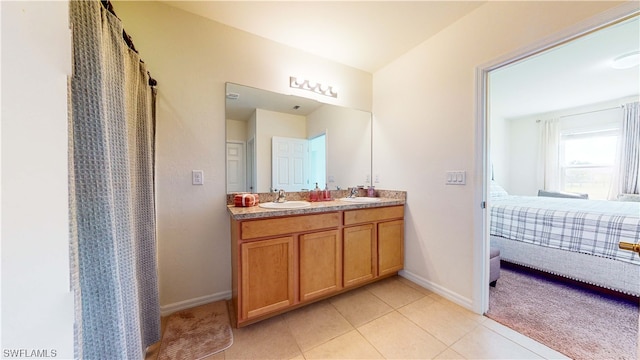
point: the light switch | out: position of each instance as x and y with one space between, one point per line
197 177
456 178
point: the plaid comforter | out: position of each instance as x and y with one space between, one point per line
592 227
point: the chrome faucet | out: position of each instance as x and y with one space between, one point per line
353 192
281 196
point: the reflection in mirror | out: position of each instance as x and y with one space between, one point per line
277 141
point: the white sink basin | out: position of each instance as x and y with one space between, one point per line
286 205
361 199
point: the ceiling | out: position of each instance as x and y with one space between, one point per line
249 99
575 74
365 35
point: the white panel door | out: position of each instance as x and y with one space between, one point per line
236 165
290 163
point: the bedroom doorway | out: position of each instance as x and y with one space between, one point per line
507 130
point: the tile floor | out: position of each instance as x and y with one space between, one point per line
390 319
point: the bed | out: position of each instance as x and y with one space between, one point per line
574 238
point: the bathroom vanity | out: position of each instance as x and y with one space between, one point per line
284 259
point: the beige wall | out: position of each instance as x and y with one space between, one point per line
192 58
349 144
236 130
37 304
424 125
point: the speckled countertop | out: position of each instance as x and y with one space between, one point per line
387 198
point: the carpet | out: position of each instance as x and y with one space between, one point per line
579 322
196 333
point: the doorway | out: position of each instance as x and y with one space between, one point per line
318 161
485 164
584 121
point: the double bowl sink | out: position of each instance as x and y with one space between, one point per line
296 204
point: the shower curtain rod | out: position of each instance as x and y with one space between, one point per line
127 39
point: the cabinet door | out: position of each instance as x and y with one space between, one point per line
320 264
267 276
390 247
359 254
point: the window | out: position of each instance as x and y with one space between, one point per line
587 160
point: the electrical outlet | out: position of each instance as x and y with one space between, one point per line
197 177
377 178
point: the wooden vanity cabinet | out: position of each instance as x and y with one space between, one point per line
280 262
390 247
359 254
267 276
284 262
320 264
375 248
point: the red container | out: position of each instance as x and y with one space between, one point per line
246 200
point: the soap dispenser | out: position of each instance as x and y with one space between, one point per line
315 194
326 194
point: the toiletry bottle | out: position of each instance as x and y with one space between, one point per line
315 194
326 195
371 192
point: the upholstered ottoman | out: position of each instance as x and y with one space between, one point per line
494 266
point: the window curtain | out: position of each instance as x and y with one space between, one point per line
629 153
112 209
549 154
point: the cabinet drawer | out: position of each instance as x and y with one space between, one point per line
288 225
372 215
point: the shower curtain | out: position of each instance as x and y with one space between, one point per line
112 209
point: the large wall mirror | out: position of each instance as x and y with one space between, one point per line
276 141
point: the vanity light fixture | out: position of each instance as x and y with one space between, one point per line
322 89
626 61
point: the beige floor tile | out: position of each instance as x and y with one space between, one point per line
440 320
482 343
348 346
538 348
449 355
393 292
414 286
478 318
316 324
268 339
360 306
396 337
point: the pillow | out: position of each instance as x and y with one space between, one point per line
629 197
562 194
496 191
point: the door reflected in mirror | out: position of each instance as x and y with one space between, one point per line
276 141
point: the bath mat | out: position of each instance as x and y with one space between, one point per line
196 333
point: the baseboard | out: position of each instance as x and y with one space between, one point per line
186 304
444 292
